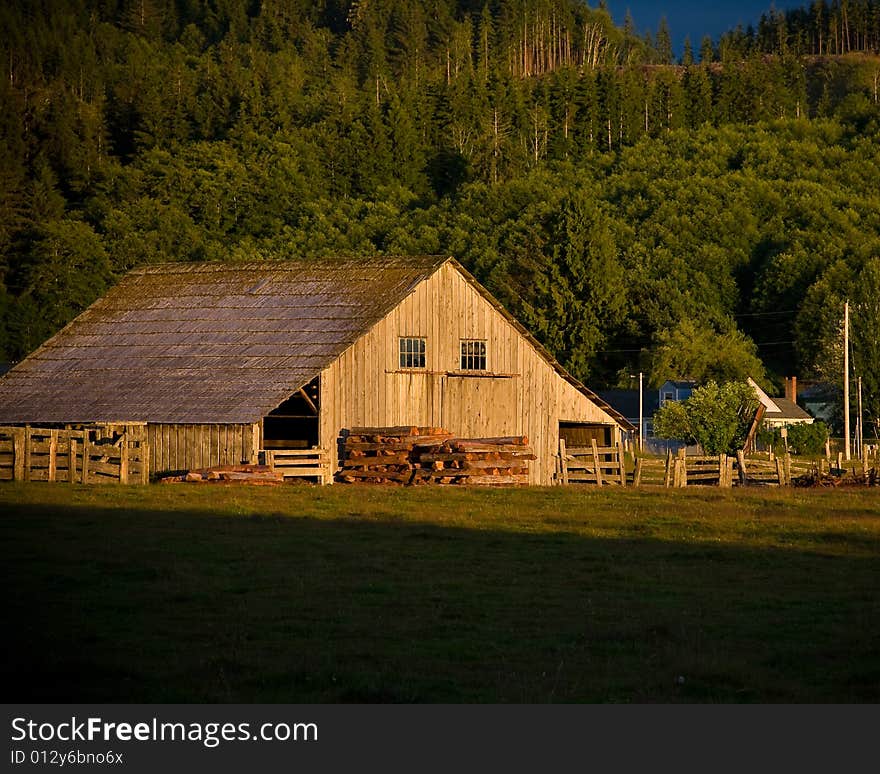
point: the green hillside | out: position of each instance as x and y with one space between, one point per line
703 218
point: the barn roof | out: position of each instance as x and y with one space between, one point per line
206 342
215 343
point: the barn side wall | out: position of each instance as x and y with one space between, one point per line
188 447
366 386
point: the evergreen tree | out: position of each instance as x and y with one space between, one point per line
664 43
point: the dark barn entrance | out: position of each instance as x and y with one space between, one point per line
582 434
294 424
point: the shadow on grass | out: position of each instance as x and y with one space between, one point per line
151 606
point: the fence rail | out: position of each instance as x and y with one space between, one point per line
592 464
88 456
300 463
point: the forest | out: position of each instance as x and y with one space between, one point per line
705 216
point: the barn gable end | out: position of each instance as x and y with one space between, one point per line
523 391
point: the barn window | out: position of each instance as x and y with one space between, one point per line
412 353
473 355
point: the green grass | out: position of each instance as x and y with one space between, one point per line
360 594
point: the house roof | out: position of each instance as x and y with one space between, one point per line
777 409
189 343
627 402
787 410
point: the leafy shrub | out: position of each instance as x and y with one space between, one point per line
803 439
717 417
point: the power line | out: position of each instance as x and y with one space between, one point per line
766 314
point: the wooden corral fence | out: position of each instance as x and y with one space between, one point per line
649 471
300 463
592 464
679 470
684 471
763 472
89 456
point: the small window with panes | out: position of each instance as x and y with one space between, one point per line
473 355
412 352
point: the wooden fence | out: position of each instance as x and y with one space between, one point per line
89 456
592 464
300 463
649 471
606 465
684 471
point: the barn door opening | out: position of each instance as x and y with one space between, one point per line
294 424
583 434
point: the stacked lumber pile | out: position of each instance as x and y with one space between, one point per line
386 455
485 461
259 475
430 455
838 478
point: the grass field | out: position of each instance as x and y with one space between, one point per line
359 594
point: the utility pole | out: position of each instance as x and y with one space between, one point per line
641 415
846 380
860 427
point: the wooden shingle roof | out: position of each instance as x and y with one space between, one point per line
218 343
206 343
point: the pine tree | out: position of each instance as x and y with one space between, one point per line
664 43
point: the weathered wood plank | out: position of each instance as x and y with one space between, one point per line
596 462
123 462
53 455
27 454
496 480
86 460
563 456
97 466
306 472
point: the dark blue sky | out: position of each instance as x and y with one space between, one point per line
689 17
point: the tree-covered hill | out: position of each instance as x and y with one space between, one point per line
704 218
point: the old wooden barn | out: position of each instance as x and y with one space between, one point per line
220 361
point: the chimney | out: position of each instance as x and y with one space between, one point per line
791 388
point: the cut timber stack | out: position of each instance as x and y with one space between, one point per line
485 461
430 455
385 455
261 475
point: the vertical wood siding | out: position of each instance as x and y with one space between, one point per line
189 447
365 385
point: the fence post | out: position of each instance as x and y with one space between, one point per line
145 462
53 454
637 472
71 467
667 479
123 460
622 459
596 462
787 469
86 453
723 469
27 452
563 461
780 472
741 463
840 460
681 464
18 454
